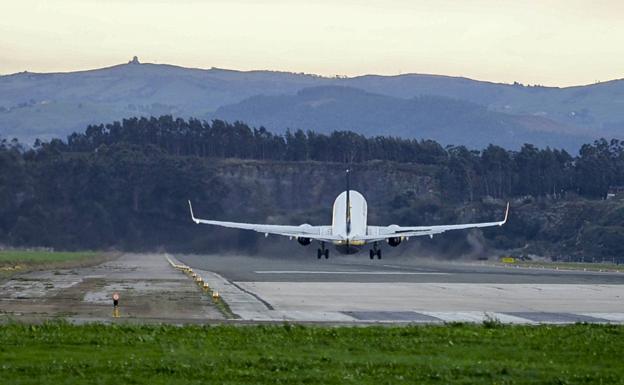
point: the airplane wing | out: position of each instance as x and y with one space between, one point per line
378 233
320 233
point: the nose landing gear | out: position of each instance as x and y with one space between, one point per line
322 252
375 251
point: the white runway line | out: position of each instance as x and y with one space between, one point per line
613 317
412 268
347 272
477 317
508 318
318 316
457 316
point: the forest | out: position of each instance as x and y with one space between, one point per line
125 185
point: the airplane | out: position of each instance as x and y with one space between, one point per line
349 230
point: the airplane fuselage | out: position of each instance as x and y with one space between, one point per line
350 224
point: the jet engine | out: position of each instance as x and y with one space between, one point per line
304 241
394 242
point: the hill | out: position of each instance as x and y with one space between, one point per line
54 105
334 108
50 105
593 108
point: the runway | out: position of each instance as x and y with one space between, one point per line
354 289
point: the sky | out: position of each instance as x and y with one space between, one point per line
548 42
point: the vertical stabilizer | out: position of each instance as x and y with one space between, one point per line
348 214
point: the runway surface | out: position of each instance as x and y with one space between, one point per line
355 289
359 268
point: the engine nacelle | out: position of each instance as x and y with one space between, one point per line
395 241
304 241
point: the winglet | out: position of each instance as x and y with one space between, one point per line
506 215
192 216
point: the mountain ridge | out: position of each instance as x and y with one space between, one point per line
45 105
367 75
325 109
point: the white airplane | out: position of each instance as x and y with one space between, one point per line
349 230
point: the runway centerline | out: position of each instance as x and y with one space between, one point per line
347 272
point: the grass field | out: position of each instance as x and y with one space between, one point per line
42 256
284 354
15 261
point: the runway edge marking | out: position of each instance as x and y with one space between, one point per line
241 303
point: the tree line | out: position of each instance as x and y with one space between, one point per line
465 174
126 184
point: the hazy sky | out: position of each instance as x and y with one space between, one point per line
550 42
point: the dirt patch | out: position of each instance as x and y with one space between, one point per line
149 287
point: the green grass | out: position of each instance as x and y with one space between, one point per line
42 256
18 261
284 354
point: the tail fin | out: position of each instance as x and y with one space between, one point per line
348 216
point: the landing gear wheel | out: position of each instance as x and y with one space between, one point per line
322 252
375 251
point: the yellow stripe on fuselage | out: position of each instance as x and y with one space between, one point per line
354 242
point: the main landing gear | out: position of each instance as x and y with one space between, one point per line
322 251
375 251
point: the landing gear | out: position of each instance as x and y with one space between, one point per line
322 252
375 251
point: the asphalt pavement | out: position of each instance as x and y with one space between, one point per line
359 268
354 289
